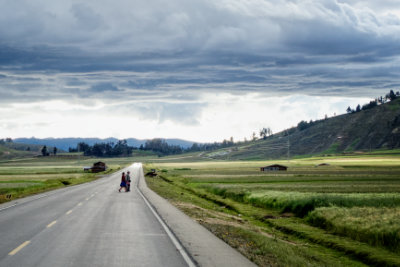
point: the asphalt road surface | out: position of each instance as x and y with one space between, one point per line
86 225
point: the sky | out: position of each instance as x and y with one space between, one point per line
200 70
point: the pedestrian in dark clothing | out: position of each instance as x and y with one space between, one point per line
123 182
128 181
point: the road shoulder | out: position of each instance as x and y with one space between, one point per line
204 247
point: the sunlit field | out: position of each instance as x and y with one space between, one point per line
347 205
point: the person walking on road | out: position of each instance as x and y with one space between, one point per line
123 182
128 181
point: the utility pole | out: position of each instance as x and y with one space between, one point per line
288 148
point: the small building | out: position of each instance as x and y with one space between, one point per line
97 167
274 167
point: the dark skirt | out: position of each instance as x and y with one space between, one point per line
123 184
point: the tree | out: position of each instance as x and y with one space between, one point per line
71 150
392 95
44 151
358 108
370 105
83 147
195 147
349 110
302 125
253 136
55 151
265 132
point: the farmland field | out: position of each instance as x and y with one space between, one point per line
27 176
343 213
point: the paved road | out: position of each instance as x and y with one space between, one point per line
86 225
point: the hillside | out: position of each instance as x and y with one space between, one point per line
10 153
376 128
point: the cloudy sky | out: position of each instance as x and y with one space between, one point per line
201 70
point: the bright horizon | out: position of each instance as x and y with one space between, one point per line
303 108
202 71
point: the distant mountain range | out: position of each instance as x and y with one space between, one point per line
66 143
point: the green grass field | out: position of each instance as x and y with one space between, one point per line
342 214
26 176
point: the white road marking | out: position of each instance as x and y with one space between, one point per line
51 224
69 212
16 250
175 241
8 207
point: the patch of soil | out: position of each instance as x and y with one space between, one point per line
287 215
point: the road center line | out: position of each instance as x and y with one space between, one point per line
69 212
15 251
51 224
80 204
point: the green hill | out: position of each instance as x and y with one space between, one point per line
9 150
371 129
10 153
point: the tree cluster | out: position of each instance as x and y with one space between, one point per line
6 140
211 146
378 101
121 148
161 147
304 125
45 151
265 132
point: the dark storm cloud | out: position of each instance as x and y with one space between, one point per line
177 49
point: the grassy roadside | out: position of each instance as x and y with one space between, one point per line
242 227
10 190
214 194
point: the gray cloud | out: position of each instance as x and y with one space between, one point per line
103 87
181 112
175 50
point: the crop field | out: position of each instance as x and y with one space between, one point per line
27 176
343 213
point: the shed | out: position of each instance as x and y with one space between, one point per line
274 167
99 167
